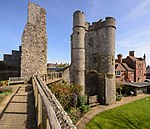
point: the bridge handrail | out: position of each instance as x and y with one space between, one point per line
62 116
40 98
53 75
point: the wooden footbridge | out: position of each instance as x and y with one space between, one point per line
34 106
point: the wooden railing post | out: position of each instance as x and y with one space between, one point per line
49 112
44 108
47 124
36 98
40 124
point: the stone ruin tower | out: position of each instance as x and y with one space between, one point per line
34 43
93 57
77 71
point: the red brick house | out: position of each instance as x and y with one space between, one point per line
120 72
148 72
133 68
123 72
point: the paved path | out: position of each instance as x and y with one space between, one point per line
100 108
19 113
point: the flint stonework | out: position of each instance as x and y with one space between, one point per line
34 43
93 57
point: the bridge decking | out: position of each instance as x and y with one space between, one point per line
19 113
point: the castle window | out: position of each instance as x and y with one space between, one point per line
94 58
112 60
78 33
91 41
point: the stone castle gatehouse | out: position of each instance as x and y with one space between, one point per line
93 57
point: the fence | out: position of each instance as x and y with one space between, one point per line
50 114
54 75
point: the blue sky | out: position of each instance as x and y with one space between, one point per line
132 22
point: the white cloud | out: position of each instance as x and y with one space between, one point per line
140 48
137 11
140 52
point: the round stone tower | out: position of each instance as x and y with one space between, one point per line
77 69
106 61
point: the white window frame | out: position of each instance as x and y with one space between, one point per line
118 73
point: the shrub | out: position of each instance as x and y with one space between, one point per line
118 97
82 100
3 83
74 114
70 98
76 88
5 89
84 109
119 87
2 97
74 100
66 93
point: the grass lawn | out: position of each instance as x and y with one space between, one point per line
134 115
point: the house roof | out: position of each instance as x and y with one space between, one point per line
127 67
122 66
136 59
119 67
137 84
133 58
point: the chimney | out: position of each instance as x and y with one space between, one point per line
131 53
119 58
144 57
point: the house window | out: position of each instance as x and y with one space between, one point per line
118 73
140 66
140 72
112 60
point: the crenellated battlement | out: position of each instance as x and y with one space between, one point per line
109 22
78 19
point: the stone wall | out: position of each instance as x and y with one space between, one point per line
34 43
13 59
66 74
10 67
